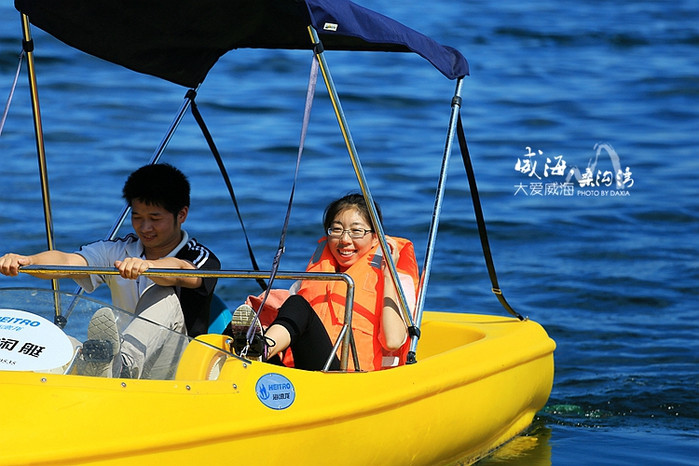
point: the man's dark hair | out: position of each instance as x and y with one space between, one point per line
158 184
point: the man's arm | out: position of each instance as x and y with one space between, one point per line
133 267
10 263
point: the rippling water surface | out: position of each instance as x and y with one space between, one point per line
613 278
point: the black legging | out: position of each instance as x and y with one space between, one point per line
310 343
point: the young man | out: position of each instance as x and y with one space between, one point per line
159 199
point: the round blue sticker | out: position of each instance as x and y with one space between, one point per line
275 391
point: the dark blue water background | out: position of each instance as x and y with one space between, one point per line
612 278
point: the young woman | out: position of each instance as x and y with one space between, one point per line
309 321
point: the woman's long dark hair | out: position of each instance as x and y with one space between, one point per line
352 200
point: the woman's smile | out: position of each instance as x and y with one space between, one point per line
347 251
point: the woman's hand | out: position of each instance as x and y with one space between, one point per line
394 331
393 248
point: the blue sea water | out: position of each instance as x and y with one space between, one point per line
610 271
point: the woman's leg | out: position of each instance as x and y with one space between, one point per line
298 327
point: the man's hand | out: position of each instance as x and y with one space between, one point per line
132 267
10 264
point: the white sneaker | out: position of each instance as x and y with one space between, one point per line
241 321
102 344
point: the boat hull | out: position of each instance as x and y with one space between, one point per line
478 382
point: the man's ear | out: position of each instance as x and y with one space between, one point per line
182 214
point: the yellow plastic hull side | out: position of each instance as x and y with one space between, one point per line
478 383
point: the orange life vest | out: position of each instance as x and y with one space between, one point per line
328 300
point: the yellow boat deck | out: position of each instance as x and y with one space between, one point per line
478 381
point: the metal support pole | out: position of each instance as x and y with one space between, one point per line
436 212
28 46
154 159
344 128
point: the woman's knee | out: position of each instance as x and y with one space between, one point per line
294 315
297 302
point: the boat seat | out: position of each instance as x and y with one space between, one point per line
203 358
219 315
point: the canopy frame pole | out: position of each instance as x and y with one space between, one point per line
351 149
28 47
155 158
436 212
157 154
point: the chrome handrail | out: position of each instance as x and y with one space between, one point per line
434 224
361 178
345 335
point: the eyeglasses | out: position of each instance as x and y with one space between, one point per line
354 233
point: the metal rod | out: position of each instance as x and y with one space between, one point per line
65 271
12 91
347 343
436 212
40 150
344 128
68 271
340 338
154 159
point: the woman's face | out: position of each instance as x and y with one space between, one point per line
347 251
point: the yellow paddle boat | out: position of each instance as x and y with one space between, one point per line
471 382
479 382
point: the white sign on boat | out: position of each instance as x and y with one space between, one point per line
29 342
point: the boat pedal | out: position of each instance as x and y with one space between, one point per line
98 351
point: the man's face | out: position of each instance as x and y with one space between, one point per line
159 230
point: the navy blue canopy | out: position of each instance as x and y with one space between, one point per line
181 40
